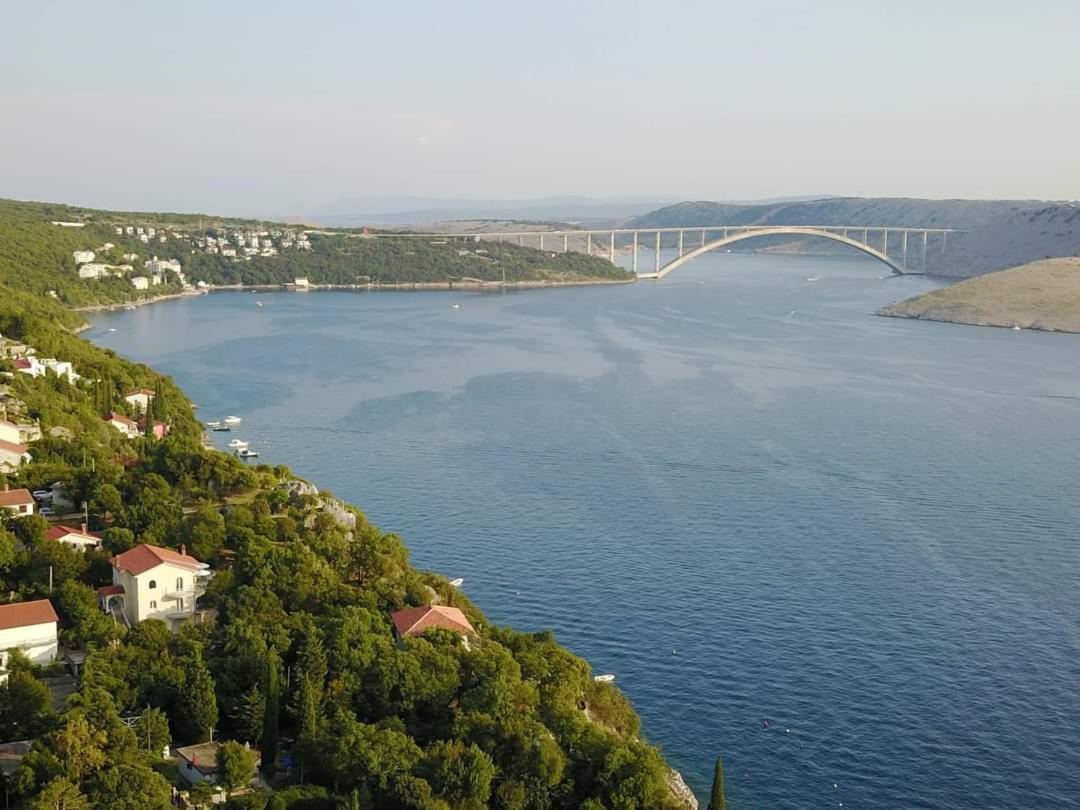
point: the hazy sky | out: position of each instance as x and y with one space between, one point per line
277 108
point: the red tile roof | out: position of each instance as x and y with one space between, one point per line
144 557
119 417
110 590
146 391
414 621
22 362
24 614
60 532
16 497
11 447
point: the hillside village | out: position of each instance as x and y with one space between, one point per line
202 631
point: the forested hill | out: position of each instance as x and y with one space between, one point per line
294 654
1001 233
38 255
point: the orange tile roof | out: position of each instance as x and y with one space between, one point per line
144 557
110 590
60 532
119 417
414 621
15 497
25 614
18 449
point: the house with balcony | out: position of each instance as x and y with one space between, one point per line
150 582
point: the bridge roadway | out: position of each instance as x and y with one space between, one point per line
689 242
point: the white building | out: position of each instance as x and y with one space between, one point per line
29 365
140 283
83 256
61 368
301 283
129 427
18 502
150 582
12 456
119 230
129 230
139 398
9 432
30 627
199 763
79 539
93 270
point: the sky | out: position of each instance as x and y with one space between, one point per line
266 108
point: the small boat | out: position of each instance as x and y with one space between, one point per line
129 307
812 279
243 452
608 678
112 329
214 424
1016 328
238 443
457 583
232 420
456 306
221 429
258 303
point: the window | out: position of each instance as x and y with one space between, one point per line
153 583
153 605
179 583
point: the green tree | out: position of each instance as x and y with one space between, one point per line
273 710
197 711
79 746
130 787
205 531
152 731
7 550
25 707
83 618
716 797
460 773
60 794
236 765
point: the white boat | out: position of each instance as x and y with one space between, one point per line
457 583
243 452
237 443
258 303
812 279
1016 328
214 424
608 678
232 420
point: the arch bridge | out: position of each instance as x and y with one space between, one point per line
906 251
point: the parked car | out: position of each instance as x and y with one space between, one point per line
46 511
42 495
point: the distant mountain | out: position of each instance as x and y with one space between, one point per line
1000 233
421 210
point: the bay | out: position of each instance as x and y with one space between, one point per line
735 489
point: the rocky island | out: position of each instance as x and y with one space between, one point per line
1042 295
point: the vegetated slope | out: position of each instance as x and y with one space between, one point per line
39 256
1000 233
297 654
1041 295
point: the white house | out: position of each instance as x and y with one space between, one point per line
140 283
79 539
29 365
139 398
83 256
301 283
17 501
96 270
31 628
9 432
129 427
150 582
12 456
61 368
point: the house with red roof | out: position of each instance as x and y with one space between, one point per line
29 365
79 539
140 398
150 582
415 621
17 501
29 627
161 430
12 456
129 427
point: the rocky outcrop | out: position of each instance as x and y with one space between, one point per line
681 791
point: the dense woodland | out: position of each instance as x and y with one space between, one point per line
297 658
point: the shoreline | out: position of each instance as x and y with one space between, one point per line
1032 327
414 286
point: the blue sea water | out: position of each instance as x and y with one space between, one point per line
735 489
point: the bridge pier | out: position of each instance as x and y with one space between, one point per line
884 242
924 240
658 251
611 248
904 248
565 243
635 253
680 244
541 240
703 237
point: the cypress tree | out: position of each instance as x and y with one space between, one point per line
716 798
198 711
273 709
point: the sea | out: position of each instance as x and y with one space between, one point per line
838 550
